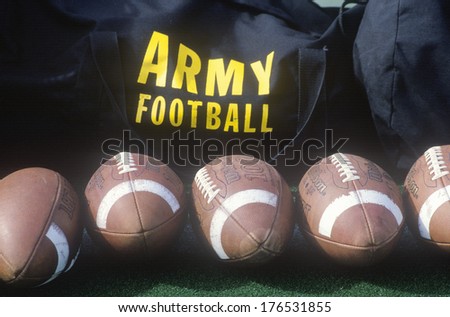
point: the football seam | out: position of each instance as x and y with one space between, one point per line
364 212
277 214
44 231
100 231
350 246
261 244
219 200
434 243
363 208
230 215
179 211
249 255
137 207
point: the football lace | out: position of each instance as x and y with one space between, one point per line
436 163
125 163
344 167
205 184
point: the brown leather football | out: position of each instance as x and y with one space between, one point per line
427 197
40 227
243 209
352 209
136 205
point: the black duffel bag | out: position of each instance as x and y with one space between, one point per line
186 81
402 58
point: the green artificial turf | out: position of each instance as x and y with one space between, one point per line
188 270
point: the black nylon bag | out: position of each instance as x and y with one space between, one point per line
260 81
402 58
186 81
49 108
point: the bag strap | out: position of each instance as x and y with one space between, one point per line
312 64
342 10
105 52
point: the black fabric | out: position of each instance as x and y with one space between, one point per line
152 74
402 58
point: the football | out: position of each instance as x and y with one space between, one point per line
243 209
427 197
40 227
351 209
136 206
